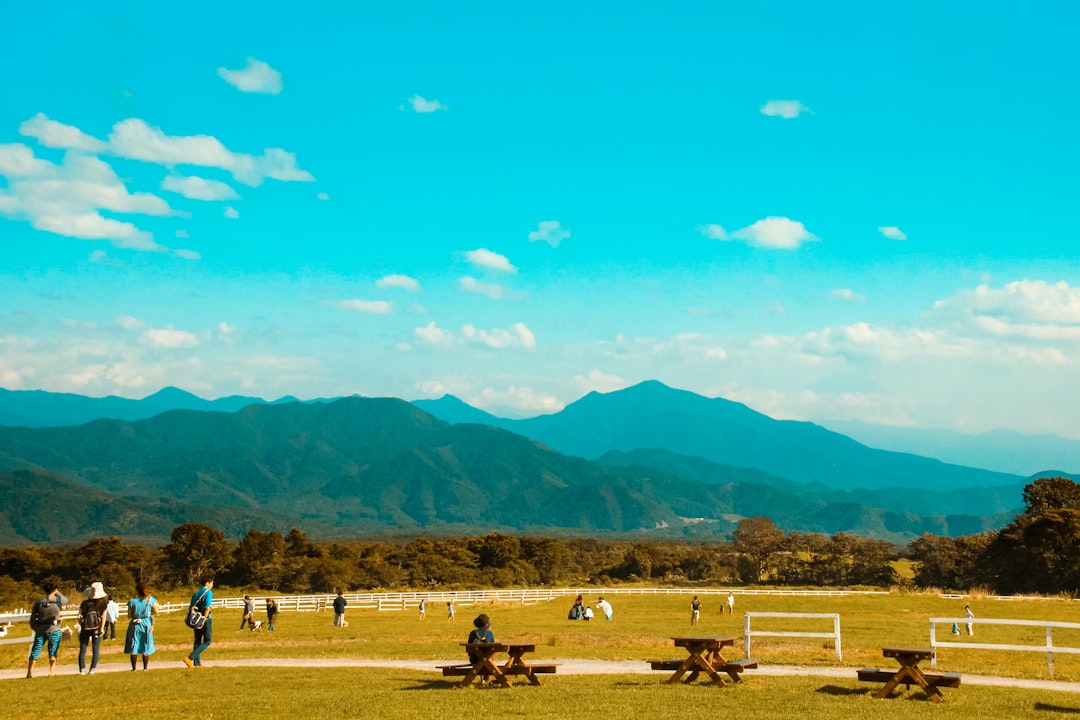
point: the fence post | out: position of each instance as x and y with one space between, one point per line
836 629
933 644
1050 649
746 632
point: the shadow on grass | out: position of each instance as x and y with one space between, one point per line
434 684
838 691
1057 709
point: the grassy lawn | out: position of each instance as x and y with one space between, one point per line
246 693
642 628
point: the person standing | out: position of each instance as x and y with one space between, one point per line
112 614
202 601
450 611
141 611
271 613
339 610
695 611
423 608
45 622
731 603
605 607
970 616
92 612
249 614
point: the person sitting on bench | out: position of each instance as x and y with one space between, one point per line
480 634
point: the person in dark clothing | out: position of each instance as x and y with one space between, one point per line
481 633
339 610
92 625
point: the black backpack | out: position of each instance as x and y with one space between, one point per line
575 613
91 619
44 615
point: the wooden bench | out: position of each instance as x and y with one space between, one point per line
448 670
739 665
668 665
530 669
873 674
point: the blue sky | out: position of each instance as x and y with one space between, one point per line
823 210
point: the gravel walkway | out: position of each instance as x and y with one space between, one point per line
566 667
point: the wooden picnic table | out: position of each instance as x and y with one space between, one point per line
909 673
485 665
704 656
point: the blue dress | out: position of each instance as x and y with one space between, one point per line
140 635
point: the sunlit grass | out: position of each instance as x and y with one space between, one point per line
642 629
330 693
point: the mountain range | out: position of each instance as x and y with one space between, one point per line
649 460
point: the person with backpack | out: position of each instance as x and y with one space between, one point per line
201 601
92 624
45 622
139 639
481 633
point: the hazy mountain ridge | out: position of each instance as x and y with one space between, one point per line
382 465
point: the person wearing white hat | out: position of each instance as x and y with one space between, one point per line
92 624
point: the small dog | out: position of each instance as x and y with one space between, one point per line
258 626
65 633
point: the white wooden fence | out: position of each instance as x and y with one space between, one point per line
834 635
1048 647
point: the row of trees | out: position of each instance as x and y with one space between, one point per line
1037 552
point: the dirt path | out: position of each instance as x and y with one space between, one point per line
566 667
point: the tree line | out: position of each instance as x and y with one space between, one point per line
1037 552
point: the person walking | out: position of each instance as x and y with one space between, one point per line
202 601
142 612
970 616
271 613
695 611
112 614
450 611
249 614
45 622
731 603
92 621
339 610
423 608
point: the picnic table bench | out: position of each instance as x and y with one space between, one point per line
485 666
703 656
909 673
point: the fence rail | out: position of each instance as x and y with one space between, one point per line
834 635
1049 648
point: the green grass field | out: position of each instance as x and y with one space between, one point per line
642 629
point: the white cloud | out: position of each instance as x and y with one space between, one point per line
847 295
485 258
137 140
375 307
197 188
100 257
600 382
169 338
187 254
549 231
421 105
232 213
517 336
773 232
323 196
53 134
398 281
520 399
787 109
713 231
431 334
892 232
491 290
1033 309
256 77
129 322
66 199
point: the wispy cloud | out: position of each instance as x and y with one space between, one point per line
197 188
432 334
847 295
232 213
398 281
255 77
892 232
518 335
771 232
168 337
53 134
787 109
491 260
375 307
420 105
491 290
550 231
